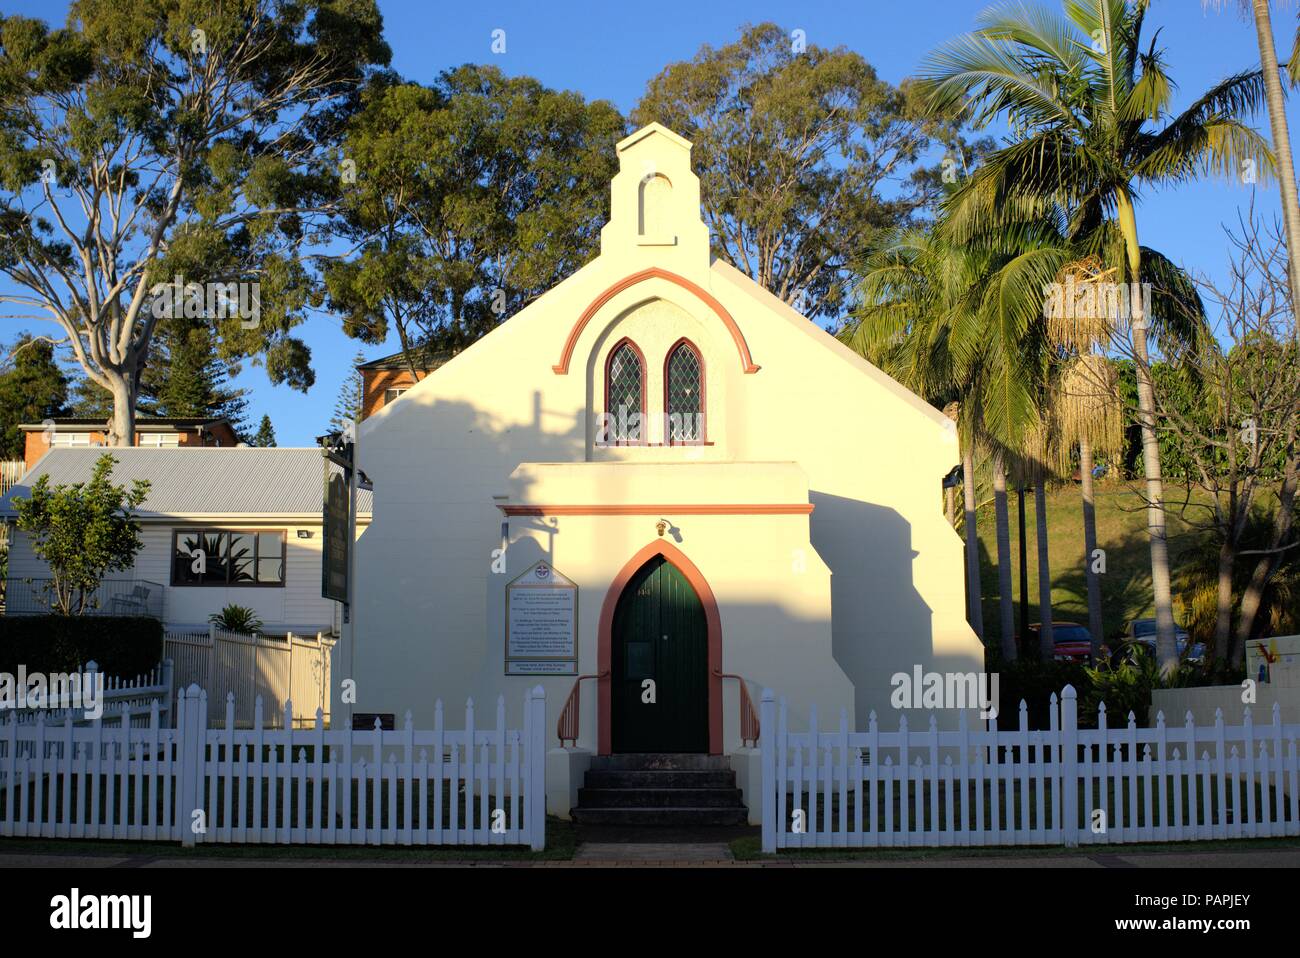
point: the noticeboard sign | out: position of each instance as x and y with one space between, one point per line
541 623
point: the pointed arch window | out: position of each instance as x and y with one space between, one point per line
684 394
624 395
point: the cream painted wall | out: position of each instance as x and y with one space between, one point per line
822 609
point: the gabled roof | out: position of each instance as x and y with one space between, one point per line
232 482
398 361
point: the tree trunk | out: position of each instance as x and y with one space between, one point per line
974 601
1022 544
1090 548
1166 644
1223 615
1281 143
1253 597
1046 643
122 428
950 505
1005 606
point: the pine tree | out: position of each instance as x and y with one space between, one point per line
32 389
265 436
185 378
88 399
348 406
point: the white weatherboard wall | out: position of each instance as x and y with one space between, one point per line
299 602
871 584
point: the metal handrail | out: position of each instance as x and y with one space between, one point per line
749 727
568 725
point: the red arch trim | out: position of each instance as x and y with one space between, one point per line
604 646
654 272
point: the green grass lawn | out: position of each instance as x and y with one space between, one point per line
1121 532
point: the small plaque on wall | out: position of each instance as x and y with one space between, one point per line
541 623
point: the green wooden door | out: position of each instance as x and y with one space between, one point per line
660 634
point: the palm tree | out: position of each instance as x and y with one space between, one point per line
1091 417
1281 132
964 320
1033 467
1087 410
1086 101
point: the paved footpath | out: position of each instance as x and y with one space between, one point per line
668 855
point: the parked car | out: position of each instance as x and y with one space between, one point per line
1073 642
1141 633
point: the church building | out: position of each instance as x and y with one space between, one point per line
655 492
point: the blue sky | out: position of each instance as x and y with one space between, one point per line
609 51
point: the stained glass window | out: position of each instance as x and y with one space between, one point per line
683 402
624 395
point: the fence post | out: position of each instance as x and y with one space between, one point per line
1069 745
191 732
537 765
767 752
168 682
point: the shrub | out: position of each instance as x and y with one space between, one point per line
82 532
1126 687
236 618
124 646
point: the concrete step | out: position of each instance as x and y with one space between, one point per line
667 817
660 761
666 798
661 778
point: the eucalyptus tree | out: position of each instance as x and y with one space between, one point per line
472 197
1089 101
177 137
806 157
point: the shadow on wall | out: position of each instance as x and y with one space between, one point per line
436 468
883 625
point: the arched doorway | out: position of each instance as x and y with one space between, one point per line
658 593
659 675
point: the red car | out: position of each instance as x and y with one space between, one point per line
1073 642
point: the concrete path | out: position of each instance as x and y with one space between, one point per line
658 853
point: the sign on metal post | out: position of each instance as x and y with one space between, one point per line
334 562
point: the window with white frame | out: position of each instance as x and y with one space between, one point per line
392 394
70 439
159 440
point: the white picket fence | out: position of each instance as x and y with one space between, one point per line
133 696
1063 785
280 785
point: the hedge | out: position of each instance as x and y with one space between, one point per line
124 646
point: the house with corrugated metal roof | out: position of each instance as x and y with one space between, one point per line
253 513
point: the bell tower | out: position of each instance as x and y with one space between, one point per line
655 209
